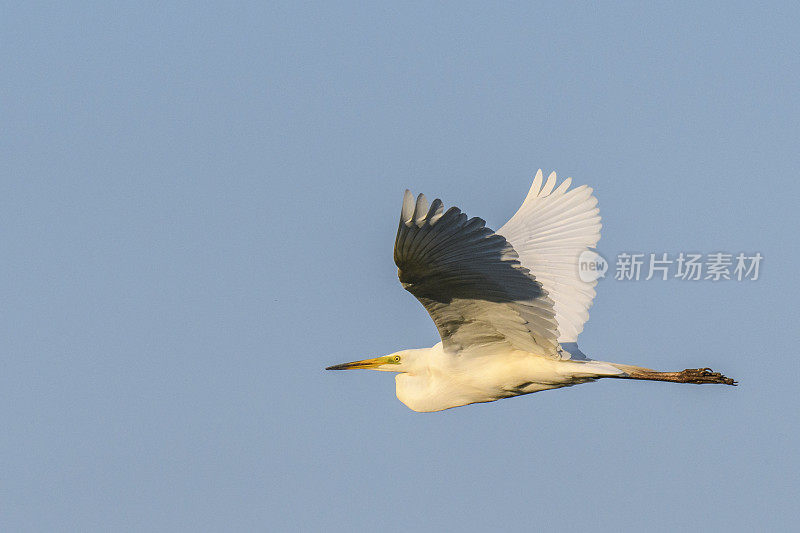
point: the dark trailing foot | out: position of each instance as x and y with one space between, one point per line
704 375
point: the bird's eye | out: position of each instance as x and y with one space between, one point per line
396 358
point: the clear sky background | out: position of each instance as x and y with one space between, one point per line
197 211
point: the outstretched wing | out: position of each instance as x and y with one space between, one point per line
471 282
549 232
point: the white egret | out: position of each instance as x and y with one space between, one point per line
509 305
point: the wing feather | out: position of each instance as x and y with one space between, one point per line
471 282
549 232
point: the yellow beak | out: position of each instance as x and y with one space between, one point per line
366 363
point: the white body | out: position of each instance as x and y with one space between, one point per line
438 380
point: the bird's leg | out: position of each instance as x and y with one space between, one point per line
690 375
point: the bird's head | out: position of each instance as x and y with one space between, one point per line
396 362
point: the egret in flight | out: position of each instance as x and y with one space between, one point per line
508 304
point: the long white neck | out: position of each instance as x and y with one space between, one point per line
419 385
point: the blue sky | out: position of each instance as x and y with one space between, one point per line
197 210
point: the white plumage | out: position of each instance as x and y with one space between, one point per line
549 232
509 305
